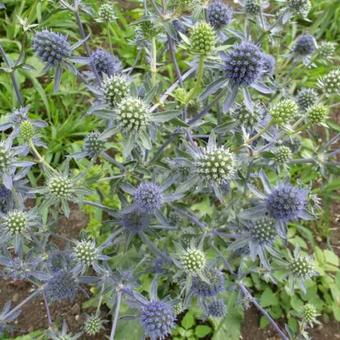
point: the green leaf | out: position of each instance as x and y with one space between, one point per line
188 320
202 330
331 257
230 326
263 322
268 298
336 311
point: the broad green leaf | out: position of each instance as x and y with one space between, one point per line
188 320
268 298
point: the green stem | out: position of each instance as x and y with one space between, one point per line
153 61
109 37
100 298
40 158
196 88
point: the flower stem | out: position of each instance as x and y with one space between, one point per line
153 61
197 85
109 37
86 46
100 298
17 89
116 315
40 158
49 318
247 294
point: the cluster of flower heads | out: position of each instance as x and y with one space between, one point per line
220 157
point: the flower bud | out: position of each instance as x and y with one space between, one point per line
26 130
60 187
216 165
15 222
317 113
133 114
115 88
283 154
193 260
283 111
202 38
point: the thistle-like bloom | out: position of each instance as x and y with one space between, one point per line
115 88
62 285
86 254
245 118
306 98
17 225
9 161
215 308
284 202
211 286
258 235
327 49
252 7
309 315
219 14
61 188
56 52
202 38
93 325
94 145
156 316
330 83
299 269
305 45
243 64
317 113
191 260
282 154
157 319
105 63
106 13
212 166
301 7
22 125
52 48
149 197
269 63
283 111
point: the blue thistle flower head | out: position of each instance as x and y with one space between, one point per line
219 14
52 48
243 65
61 286
157 319
148 197
105 63
286 202
213 284
269 63
305 45
216 309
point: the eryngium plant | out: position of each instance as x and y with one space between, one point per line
193 170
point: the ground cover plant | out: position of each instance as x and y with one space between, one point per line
168 166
